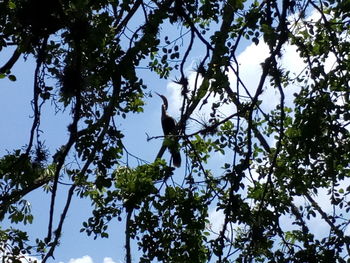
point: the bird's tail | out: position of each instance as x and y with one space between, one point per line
174 149
176 158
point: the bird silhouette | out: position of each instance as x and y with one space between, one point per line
170 132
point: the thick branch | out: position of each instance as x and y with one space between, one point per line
9 64
127 236
14 196
128 16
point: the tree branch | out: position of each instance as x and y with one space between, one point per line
9 64
127 236
14 196
325 217
63 152
36 93
107 115
128 16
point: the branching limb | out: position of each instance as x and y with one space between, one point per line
107 115
63 152
60 225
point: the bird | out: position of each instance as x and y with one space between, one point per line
170 132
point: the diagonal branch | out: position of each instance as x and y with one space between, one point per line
326 218
63 152
107 116
14 196
9 64
128 16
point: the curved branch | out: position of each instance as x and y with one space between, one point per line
9 64
14 196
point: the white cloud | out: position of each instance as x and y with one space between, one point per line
216 224
108 260
88 259
84 259
216 220
250 70
175 99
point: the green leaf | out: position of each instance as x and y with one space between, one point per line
11 5
12 77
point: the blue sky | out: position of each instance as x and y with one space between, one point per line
15 99
76 247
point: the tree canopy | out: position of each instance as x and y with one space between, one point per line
90 61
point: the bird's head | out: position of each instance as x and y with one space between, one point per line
165 101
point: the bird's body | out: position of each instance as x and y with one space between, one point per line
168 124
170 131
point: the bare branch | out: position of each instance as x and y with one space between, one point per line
9 64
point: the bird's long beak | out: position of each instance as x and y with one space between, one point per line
165 101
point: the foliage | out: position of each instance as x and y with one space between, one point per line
89 59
